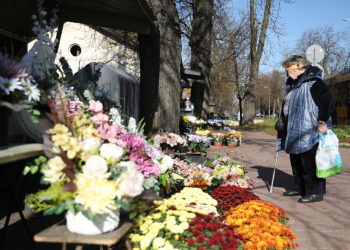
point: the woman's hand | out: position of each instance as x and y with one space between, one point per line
322 127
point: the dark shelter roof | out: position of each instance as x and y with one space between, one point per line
129 15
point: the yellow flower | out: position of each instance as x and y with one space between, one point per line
136 237
72 148
145 243
239 170
54 172
157 216
60 139
96 194
58 129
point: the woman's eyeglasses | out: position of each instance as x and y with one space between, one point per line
294 70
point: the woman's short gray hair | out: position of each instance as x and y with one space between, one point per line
294 59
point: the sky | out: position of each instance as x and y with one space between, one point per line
299 16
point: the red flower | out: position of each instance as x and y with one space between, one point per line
190 242
172 208
200 238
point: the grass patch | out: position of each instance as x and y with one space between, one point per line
343 133
268 126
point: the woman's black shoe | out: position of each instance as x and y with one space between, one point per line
311 198
291 193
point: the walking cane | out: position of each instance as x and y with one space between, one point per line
273 174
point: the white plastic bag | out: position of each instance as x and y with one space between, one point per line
328 160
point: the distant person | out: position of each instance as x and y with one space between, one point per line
306 111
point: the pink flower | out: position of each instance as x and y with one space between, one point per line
112 133
74 106
95 106
100 118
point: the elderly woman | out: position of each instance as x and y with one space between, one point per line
306 111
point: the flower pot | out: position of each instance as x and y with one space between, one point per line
232 144
80 224
217 143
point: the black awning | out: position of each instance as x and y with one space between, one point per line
128 15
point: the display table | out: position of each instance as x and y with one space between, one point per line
59 233
198 157
8 155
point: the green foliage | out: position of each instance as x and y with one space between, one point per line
52 200
39 163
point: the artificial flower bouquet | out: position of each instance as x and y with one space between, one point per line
198 143
95 166
170 142
225 170
187 122
186 220
202 132
16 83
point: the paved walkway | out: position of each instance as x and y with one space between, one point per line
322 225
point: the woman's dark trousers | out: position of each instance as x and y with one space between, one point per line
305 180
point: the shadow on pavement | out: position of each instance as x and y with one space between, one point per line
282 179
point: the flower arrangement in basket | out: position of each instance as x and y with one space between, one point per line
186 220
198 143
170 142
227 171
94 167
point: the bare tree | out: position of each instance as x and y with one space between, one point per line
331 41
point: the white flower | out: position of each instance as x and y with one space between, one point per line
90 145
145 243
10 84
115 116
191 118
54 172
132 126
111 151
130 182
166 163
87 94
96 166
32 92
158 242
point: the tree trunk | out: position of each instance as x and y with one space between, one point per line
256 49
160 58
200 43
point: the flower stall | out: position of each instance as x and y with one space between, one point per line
99 172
